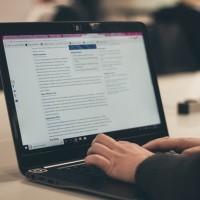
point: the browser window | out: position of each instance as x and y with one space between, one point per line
75 85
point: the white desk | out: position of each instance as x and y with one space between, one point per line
174 89
13 186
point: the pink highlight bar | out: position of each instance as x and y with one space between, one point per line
122 34
15 37
42 36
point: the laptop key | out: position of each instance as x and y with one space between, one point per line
85 169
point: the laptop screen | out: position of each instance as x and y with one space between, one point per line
69 87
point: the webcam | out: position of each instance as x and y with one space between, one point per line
78 27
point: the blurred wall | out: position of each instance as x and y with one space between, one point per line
14 10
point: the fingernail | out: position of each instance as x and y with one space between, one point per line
94 141
88 151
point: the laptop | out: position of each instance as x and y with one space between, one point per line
66 82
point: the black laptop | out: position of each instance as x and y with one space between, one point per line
66 82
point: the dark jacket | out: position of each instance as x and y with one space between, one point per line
170 177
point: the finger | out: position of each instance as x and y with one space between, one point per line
105 140
191 151
98 161
100 149
124 142
164 144
177 144
157 143
126 145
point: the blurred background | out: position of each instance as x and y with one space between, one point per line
173 25
15 10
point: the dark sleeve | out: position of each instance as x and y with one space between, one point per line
170 177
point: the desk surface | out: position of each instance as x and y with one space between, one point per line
173 88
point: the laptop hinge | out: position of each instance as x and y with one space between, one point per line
66 163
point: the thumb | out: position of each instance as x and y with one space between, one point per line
191 151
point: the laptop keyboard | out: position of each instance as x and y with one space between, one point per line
85 169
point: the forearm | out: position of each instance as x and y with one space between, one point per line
170 177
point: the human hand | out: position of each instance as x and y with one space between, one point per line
117 159
184 146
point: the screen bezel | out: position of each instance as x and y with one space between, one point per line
51 155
